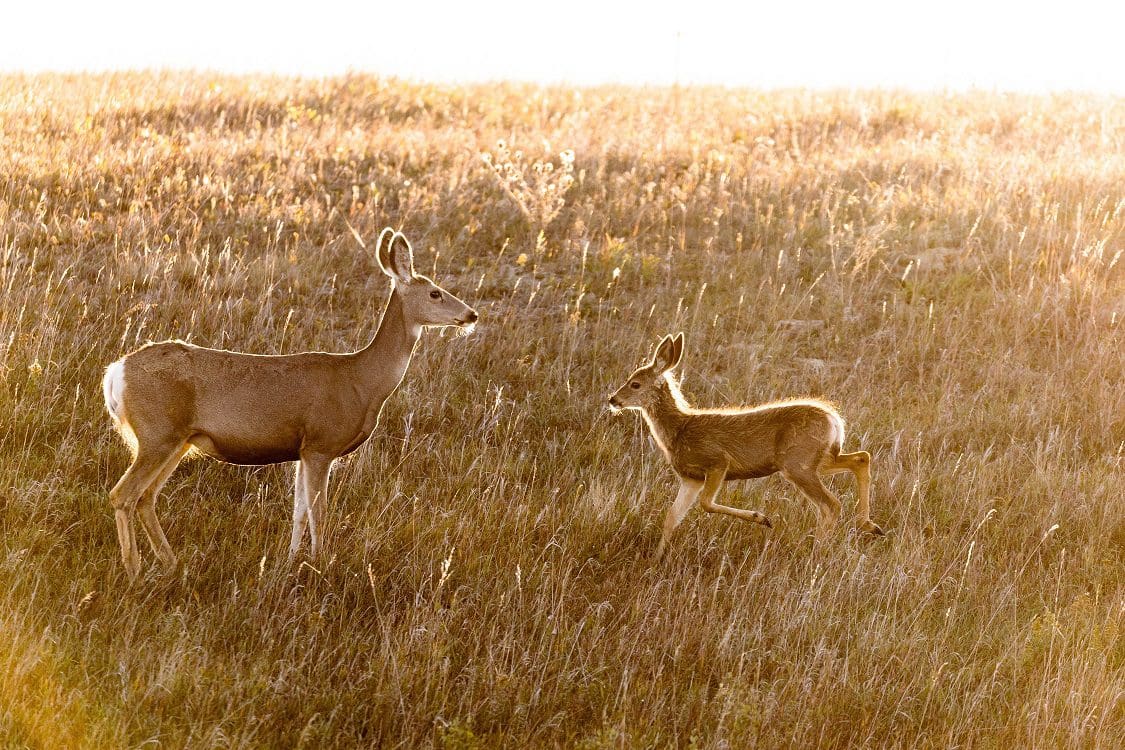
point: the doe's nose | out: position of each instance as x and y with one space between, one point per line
613 401
471 316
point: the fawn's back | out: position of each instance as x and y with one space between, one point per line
755 442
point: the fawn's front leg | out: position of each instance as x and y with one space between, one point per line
689 491
711 485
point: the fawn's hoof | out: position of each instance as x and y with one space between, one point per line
870 527
133 573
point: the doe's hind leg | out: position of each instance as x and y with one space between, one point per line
146 510
145 469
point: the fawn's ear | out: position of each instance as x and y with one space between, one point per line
396 256
678 347
666 357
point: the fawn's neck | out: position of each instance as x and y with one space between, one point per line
667 415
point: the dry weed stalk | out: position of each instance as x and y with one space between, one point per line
538 189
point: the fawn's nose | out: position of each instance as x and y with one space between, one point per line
471 316
613 400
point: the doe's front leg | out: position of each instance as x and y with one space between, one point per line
300 513
316 469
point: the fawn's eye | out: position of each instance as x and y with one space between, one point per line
634 385
435 294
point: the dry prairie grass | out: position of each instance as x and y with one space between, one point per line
496 588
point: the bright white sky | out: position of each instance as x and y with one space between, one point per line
955 44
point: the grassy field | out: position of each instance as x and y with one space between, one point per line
946 269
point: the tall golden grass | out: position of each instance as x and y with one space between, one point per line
489 580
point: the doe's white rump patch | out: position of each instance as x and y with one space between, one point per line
113 388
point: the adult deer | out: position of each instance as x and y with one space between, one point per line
801 439
171 398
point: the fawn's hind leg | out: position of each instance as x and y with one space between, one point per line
711 485
859 464
826 505
689 491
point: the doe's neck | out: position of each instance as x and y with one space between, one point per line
388 355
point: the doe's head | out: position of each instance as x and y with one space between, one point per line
642 386
424 303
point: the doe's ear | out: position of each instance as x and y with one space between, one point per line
382 251
667 356
397 258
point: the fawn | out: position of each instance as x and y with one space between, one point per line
800 438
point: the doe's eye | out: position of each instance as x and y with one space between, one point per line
435 294
634 385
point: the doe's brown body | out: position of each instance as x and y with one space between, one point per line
170 398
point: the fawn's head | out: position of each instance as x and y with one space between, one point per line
643 386
424 303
